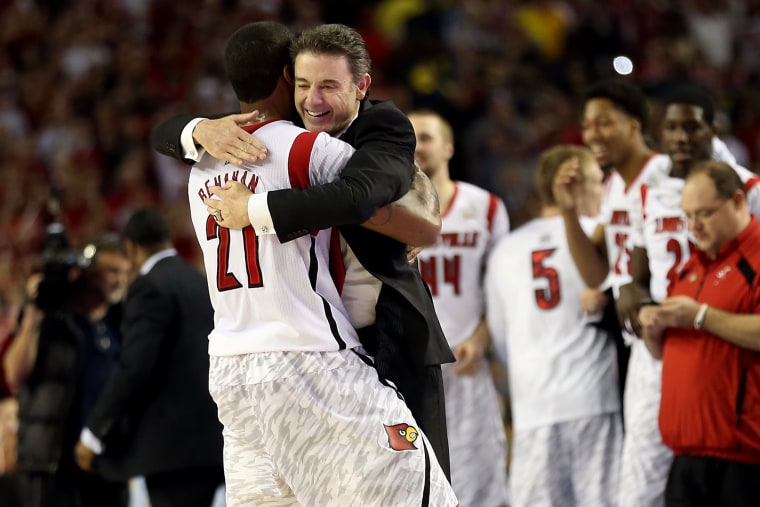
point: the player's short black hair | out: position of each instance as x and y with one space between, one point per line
147 228
693 95
255 57
624 95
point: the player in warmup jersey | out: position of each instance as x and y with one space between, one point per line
562 366
472 221
306 419
614 121
662 241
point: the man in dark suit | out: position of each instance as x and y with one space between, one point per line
331 72
160 385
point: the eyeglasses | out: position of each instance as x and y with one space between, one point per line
704 214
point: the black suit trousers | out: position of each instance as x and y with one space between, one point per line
193 487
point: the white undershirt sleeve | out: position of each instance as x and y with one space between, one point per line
189 150
259 215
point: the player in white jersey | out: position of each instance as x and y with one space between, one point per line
472 221
614 122
562 366
663 245
306 419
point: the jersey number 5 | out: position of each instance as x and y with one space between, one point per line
550 296
224 279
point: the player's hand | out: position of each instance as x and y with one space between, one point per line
628 305
231 208
593 301
470 353
224 139
652 328
412 252
567 184
84 457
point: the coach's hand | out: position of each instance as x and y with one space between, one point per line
225 139
229 205
84 457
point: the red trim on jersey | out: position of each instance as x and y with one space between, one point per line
493 205
252 128
750 183
298 159
298 171
644 188
638 174
451 202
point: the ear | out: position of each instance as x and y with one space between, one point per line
287 74
636 125
362 86
449 150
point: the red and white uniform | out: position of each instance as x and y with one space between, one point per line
562 370
620 214
664 229
306 419
453 269
264 297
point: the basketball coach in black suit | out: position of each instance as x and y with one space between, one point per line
406 340
155 417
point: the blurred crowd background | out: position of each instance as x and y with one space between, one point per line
83 81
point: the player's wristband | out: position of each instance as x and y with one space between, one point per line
699 320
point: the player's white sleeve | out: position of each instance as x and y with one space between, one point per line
499 223
189 150
496 318
328 157
721 152
753 200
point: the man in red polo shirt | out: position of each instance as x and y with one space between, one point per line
708 334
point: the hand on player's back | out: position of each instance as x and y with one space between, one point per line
224 138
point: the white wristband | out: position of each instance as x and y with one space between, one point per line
699 320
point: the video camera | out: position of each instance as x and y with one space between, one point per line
58 259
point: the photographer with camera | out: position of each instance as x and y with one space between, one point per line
66 344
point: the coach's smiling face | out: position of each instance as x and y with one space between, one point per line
327 94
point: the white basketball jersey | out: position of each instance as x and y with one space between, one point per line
267 295
453 267
561 366
664 230
621 212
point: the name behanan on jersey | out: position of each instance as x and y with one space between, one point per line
247 178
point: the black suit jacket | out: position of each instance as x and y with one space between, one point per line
380 172
160 386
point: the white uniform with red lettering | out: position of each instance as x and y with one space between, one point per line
306 420
663 232
562 371
453 269
645 460
620 214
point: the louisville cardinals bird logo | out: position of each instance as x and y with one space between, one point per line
401 437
